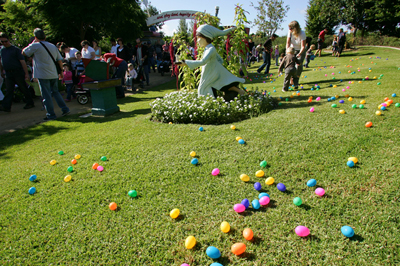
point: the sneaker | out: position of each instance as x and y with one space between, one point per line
29 106
65 113
259 72
67 100
284 90
4 109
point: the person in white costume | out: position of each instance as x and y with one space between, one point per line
214 76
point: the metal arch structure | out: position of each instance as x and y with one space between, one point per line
170 15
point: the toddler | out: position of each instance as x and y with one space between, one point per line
69 83
335 46
130 76
309 54
276 55
79 69
289 64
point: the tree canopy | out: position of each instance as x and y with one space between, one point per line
270 15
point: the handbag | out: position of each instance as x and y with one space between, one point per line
59 70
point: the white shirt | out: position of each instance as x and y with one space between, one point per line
114 49
87 53
71 54
296 42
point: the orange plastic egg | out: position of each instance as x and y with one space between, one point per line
113 206
73 161
248 234
238 248
368 124
95 165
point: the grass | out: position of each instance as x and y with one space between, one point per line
70 223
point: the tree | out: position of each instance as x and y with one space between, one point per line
183 30
270 15
321 15
152 11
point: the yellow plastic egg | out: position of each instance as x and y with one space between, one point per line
244 178
260 173
225 227
233 127
77 156
362 102
335 86
350 99
174 213
378 113
380 106
193 153
269 181
67 178
238 138
53 162
342 112
354 159
190 242
337 96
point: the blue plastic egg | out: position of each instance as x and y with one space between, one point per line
32 178
281 187
394 95
216 264
213 252
245 203
257 186
312 183
341 101
329 99
241 141
341 80
201 128
350 163
312 89
255 204
347 231
32 190
333 98
194 161
263 194
383 108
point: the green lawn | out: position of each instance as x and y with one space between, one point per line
71 224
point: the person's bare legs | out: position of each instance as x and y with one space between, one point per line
236 89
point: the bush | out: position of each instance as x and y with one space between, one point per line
186 107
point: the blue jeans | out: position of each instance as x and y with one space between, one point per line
120 73
69 88
12 78
49 89
266 64
146 70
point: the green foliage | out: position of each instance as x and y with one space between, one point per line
186 107
152 11
320 15
183 31
270 15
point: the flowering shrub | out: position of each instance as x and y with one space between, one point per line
187 107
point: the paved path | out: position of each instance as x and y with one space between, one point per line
19 118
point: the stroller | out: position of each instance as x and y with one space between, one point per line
82 95
163 65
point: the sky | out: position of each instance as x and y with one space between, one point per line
226 13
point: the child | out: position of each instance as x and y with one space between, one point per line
289 64
67 80
79 69
309 54
130 76
281 58
276 55
335 46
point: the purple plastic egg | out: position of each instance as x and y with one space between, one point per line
257 186
245 203
281 187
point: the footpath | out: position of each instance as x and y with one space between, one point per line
19 118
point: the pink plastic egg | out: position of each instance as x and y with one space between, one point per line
312 109
264 200
215 171
384 104
343 89
326 75
320 191
347 87
302 231
100 168
239 208
318 98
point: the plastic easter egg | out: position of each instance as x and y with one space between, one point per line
312 109
394 95
350 99
361 106
94 166
329 99
347 231
233 127
53 162
174 213
353 159
318 99
383 108
70 169
201 128
333 98
368 124
248 234
397 105
193 153
74 161
245 203
334 105
378 113
61 152
342 111
255 204
244 177
241 141
320 191
194 161
32 190
311 183
238 248
67 178
350 164
32 178
185 264
297 201
100 168
264 200
341 101
216 264
239 208
269 181
263 164
260 173
215 172
257 186
225 227
77 156
263 194
384 104
354 106
302 231
132 193
337 96
103 158
309 100
190 242
213 252
281 187
238 138
362 101
112 206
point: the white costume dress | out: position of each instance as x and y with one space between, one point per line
213 73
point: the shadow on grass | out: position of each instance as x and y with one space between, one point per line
357 238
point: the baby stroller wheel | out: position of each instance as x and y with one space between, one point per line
82 99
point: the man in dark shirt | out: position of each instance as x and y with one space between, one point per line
141 53
13 63
267 55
